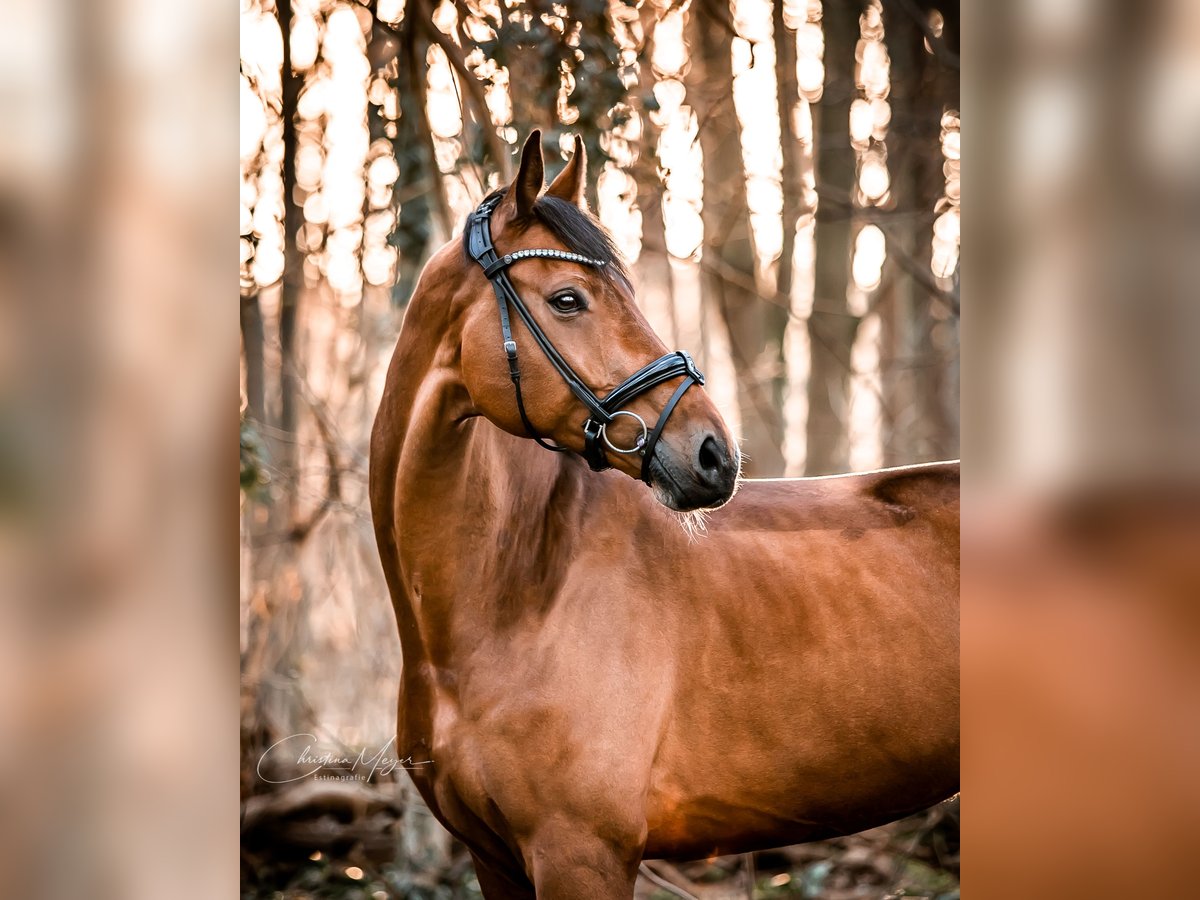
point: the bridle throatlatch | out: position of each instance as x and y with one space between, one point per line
602 412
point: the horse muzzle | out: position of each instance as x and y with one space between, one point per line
698 471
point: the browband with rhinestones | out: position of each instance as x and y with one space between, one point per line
567 256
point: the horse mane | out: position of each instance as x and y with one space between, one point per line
579 230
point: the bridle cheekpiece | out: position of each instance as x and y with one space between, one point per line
602 412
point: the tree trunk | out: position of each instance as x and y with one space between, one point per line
944 95
252 351
728 263
917 427
657 288
831 327
282 632
792 181
528 85
293 273
901 309
415 50
416 181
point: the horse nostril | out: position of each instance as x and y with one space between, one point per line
710 457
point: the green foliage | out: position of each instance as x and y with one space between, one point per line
920 879
254 477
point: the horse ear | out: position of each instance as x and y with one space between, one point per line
530 177
571 182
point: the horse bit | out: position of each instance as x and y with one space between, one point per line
602 411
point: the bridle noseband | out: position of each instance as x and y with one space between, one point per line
602 412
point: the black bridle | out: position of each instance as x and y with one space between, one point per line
601 411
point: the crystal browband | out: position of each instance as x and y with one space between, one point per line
509 258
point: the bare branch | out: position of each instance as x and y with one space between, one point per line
944 54
883 219
474 88
670 887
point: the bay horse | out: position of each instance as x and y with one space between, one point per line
585 682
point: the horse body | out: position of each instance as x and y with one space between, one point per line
816 688
595 683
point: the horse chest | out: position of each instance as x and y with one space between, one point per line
503 736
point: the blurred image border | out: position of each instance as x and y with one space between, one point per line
1081 437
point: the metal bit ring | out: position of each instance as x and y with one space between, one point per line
641 441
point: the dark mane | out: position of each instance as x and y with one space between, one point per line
579 230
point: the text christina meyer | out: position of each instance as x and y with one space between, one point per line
300 748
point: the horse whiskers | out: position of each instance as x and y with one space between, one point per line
694 522
743 459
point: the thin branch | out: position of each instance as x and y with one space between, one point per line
333 489
416 70
333 484
944 54
912 267
922 276
728 273
738 278
650 875
721 15
497 149
932 819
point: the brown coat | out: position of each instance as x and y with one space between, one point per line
595 682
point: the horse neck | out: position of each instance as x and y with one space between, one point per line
484 521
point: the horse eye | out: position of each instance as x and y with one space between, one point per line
566 303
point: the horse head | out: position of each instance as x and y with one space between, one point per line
552 345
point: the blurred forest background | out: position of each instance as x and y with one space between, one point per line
784 177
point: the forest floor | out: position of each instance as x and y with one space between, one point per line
343 842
